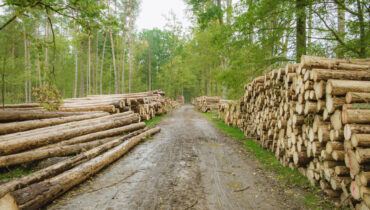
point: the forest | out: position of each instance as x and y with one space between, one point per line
74 48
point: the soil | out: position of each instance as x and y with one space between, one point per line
190 164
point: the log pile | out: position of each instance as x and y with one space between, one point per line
207 103
315 117
90 132
94 140
146 104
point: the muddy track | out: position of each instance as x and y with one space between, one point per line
190 164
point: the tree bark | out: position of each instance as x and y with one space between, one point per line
39 194
131 25
33 141
116 86
300 29
14 127
102 63
57 168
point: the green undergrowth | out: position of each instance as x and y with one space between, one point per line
152 122
13 173
288 178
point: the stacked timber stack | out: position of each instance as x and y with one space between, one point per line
230 112
207 103
146 104
95 139
300 113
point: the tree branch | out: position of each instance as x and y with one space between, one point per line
336 35
55 47
8 22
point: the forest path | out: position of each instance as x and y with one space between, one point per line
190 164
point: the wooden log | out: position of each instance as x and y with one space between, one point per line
333 103
336 120
360 140
325 74
29 156
8 116
30 142
365 178
63 126
13 127
356 116
350 129
98 135
59 167
341 170
338 155
334 145
105 108
363 155
308 61
39 194
341 87
357 97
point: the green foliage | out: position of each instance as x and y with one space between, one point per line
14 173
155 120
48 97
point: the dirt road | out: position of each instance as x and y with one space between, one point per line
190 164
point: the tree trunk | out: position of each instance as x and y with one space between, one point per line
97 63
341 30
89 65
150 71
102 64
131 25
300 29
6 116
341 87
39 194
25 67
116 86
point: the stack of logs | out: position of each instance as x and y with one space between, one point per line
146 104
88 141
207 103
315 117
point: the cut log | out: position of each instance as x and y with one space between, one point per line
360 140
357 97
341 170
333 103
57 168
325 74
361 116
341 87
363 155
350 129
39 194
98 135
8 116
365 178
338 155
308 61
30 142
336 120
334 145
13 127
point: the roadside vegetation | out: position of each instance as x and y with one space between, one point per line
287 177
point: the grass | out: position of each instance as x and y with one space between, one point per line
287 177
152 122
14 173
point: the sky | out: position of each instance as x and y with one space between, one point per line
152 13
